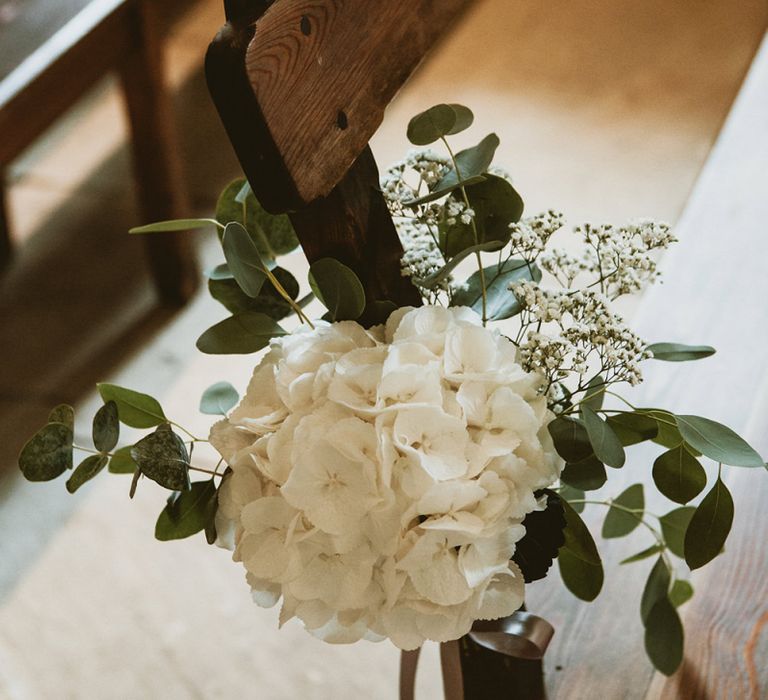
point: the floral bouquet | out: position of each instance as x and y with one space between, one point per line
406 478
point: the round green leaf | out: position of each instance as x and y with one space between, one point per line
48 453
63 413
619 522
595 393
681 593
106 427
578 559
673 527
709 526
338 289
586 475
85 471
605 443
243 259
218 399
656 588
633 428
570 438
133 408
438 121
122 462
677 352
718 442
187 513
240 334
679 475
664 638
229 294
162 456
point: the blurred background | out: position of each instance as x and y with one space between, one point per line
606 110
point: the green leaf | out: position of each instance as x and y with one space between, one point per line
578 559
380 311
718 442
218 399
496 205
338 289
709 526
571 494
85 471
677 352
681 593
668 433
586 475
162 456
106 427
135 409
472 163
605 443
644 554
220 272
501 301
438 121
244 259
174 225
273 234
595 393
48 453
570 438
430 281
241 334
229 294
618 522
186 513
122 462
63 413
656 588
679 475
633 428
664 637
673 527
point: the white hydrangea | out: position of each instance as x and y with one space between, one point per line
379 478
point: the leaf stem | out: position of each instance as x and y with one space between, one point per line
281 291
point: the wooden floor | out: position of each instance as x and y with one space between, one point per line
607 111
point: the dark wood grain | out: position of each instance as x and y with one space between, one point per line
323 72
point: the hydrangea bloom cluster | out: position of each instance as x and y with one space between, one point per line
379 478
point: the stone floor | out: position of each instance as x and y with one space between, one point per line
605 110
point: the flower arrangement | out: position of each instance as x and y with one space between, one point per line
406 478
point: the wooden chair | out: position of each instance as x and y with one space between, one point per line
301 86
52 53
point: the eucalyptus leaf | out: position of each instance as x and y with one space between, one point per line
220 272
162 457
48 453
709 526
605 443
85 471
578 539
681 593
677 352
619 522
644 554
472 164
570 494
668 434
595 394
122 462
586 475
679 475
718 442
186 513
134 409
570 438
436 277
438 121
63 413
501 301
269 301
244 259
633 428
338 289
673 527
656 588
106 427
218 399
536 551
582 578
241 334
664 637
174 225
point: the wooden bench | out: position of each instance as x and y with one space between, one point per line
52 53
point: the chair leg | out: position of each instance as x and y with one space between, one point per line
157 168
6 248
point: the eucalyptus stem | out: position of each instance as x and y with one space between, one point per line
281 291
474 232
630 511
